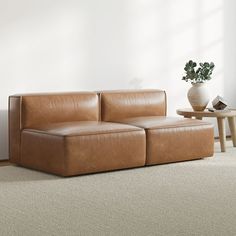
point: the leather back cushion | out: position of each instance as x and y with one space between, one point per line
51 108
118 105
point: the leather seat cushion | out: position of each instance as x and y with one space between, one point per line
82 128
171 139
155 122
73 148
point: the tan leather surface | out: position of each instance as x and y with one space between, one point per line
171 139
14 126
179 144
43 109
88 154
43 152
83 128
72 155
155 122
62 134
117 105
27 111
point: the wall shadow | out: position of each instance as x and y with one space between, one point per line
229 53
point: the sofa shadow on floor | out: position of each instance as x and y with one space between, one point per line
15 173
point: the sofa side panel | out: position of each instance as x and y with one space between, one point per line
119 105
14 126
43 152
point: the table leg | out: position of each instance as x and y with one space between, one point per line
222 133
232 128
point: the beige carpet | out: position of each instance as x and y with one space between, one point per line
189 198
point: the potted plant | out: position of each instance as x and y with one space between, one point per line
197 94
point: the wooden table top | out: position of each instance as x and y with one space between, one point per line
190 112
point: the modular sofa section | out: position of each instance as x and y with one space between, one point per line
171 139
83 147
33 110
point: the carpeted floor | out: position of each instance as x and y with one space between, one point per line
188 198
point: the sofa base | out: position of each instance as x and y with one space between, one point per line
179 144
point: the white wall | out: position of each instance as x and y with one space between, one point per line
62 45
230 52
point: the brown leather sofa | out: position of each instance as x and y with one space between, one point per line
77 133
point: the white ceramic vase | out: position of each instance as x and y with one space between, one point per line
198 96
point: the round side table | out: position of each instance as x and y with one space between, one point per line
230 114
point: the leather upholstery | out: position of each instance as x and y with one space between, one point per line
171 139
117 105
83 147
14 109
157 122
30 110
63 134
83 128
40 109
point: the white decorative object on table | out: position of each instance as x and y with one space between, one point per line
198 95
